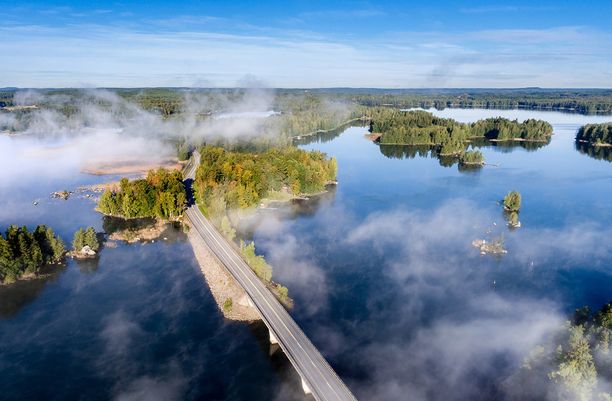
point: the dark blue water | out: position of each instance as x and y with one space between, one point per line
137 324
384 277
387 282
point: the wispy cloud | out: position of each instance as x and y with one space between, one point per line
348 13
503 8
102 55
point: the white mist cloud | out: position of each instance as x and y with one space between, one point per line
292 264
105 129
448 359
118 333
162 388
447 330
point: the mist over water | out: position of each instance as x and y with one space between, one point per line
384 277
388 285
102 127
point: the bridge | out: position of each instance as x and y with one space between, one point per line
318 378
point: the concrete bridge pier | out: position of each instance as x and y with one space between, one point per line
274 345
305 387
273 339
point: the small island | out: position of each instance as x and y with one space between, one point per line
85 244
512 206
472 158
595 134
232 179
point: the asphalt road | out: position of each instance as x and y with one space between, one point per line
307 360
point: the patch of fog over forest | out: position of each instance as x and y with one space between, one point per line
70 131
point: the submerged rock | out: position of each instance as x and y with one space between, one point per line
61 194
495 247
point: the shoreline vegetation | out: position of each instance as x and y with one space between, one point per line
24 254
417 127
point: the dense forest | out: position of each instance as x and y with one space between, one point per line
23 253
574 365
595 134
242 179
423 128
161 194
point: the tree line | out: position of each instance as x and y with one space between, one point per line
423 128
583 101
161 194
23 252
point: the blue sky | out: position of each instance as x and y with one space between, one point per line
307 43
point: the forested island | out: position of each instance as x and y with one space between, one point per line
417 127
161 194
242 179
574 365
85 243
595 134
24 253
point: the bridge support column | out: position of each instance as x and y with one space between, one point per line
273 339
305 387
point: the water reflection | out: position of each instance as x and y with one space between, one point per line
141 229
429 151
323 137
89 265
510 146
596 152
406 151
16 296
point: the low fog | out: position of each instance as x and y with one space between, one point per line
433 319
104 128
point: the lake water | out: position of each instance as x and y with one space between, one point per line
382 269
